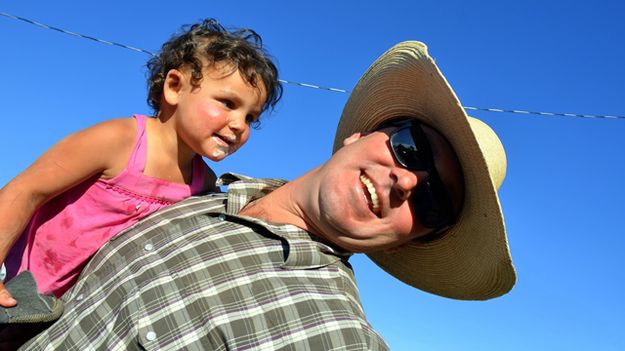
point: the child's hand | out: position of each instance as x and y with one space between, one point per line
6 300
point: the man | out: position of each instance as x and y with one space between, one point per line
412 183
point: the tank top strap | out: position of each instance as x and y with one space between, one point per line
199 174
139 150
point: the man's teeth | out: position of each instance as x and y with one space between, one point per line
371 189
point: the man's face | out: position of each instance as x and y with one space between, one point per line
364 194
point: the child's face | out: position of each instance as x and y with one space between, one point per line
213 119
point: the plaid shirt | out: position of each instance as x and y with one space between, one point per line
195 276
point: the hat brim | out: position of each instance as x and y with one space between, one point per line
471 261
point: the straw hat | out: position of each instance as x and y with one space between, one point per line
471 261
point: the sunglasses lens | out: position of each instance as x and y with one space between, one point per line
432 205
430 199
405 149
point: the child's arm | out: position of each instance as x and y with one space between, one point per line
99 150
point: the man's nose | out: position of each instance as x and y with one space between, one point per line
405 181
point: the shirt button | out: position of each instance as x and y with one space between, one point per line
222 217
80 297
150 336
148 247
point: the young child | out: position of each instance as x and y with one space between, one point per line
207 86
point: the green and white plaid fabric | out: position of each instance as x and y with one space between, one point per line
195 276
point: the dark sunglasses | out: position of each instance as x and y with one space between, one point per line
430 199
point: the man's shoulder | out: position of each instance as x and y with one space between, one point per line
242 181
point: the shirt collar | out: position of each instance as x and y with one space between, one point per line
243 189
305 251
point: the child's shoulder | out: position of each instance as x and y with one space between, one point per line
114 139
122 128
120 123
112 135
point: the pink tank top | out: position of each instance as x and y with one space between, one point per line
64 233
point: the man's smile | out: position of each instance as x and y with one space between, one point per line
370 194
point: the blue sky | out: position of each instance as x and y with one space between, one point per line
563 192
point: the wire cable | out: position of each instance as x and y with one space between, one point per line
305 85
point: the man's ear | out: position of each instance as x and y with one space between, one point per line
350 139
173 86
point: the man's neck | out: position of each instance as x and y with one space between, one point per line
284 205
273 207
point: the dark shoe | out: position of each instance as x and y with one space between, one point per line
31 307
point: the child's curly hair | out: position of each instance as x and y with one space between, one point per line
209 40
